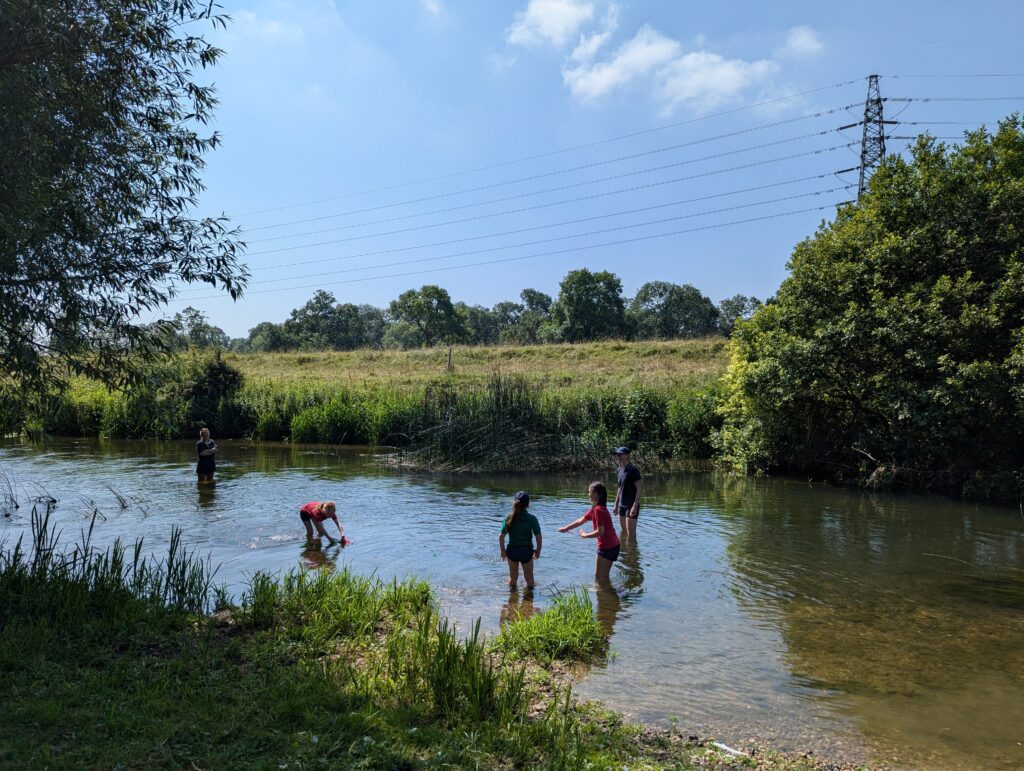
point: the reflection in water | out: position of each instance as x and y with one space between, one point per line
207 494
316 556
630 568
518 606
609 604
877 628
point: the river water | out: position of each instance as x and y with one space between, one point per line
886 629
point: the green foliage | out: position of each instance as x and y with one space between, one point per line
666 311
99 168
894 349
590 307
567 630
430 312
739 307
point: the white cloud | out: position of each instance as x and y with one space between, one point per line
801 42
646 52
706 80
552 21
433 6
248 24
589 45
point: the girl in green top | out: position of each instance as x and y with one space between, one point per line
520 526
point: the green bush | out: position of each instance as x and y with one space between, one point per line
895 348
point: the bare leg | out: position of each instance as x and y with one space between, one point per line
623 527
602 570
309 529
513 573
631 525
528 574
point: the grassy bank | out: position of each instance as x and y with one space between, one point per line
110 660
558 406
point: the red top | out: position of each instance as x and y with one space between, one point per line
599 515
313 509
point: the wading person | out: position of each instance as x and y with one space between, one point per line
206 448
315 513
603 530
520 527
627 494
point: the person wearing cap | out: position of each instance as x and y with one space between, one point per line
627 495
520 526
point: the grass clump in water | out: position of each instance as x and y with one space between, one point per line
567 630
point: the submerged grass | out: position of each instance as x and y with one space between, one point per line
109 659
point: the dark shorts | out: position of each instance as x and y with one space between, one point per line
304 516
521 554
624 511
611 554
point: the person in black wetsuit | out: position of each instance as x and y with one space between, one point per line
627 495
206 449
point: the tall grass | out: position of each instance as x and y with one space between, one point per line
566 630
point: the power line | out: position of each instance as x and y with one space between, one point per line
551 153
483 216
554 239
518 230
611 178
534 256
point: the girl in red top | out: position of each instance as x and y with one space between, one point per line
314 513
604 531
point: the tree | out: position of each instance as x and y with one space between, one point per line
430 311
895 347
590 306
193 330
268 336
479 323
733 309
100 158
666 311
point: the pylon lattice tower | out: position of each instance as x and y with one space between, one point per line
872 143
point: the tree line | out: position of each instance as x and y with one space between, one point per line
590 306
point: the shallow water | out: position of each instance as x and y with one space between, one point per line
874 628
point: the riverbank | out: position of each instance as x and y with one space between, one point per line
110 659
497 408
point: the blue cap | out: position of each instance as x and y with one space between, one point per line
523 497
622 450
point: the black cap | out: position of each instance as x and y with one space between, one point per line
622 450
523 497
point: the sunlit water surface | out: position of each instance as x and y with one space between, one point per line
873 628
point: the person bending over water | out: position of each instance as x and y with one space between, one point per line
603 531
206 448
314 513
520 526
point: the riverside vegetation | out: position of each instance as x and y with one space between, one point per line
498 407
114 659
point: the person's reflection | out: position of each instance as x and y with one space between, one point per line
518 606
207 495
315 556
608 606
630 568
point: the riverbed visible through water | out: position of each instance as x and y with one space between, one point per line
877 628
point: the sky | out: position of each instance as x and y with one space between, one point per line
487 147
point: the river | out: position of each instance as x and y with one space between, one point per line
878 628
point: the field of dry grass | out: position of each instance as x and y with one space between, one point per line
604 364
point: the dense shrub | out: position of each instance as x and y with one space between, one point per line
895 349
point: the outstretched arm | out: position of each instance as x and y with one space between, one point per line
597 532
571 525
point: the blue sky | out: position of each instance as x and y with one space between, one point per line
366 142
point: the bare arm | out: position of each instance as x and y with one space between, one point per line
571 525
501 545
536 552
636 502
596 533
